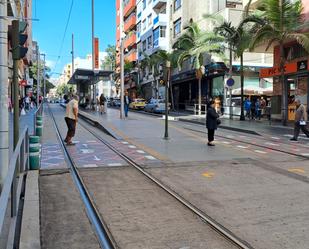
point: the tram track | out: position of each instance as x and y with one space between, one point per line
227 234
104 236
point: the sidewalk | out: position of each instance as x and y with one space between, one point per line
24 120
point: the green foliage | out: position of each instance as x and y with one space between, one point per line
110 61
64 89
194 43
33 74
279 21
128 66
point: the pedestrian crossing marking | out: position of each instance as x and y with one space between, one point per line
305 154
297 170
208 174
272 144
124 142
90 166
132 147
150 157
114 164
276 138
242 147
140 151
259 151
225 142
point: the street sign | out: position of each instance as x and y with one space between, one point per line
230 82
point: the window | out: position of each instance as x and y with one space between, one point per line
149 20
177 4
177 27
144 4
162 31
149 41
144 24
156 34
144 46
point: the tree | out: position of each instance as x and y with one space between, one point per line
238 40
194 44
64 89
110 60
277 22
33 74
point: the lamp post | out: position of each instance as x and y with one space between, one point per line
167 83
121 61
44 79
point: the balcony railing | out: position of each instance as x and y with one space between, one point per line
129 6
130 40
130 23
131 56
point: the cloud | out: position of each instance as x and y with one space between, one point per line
50 63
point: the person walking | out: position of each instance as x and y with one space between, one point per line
102 101
212 121
247 106
258 109
126 103
71 119
300 120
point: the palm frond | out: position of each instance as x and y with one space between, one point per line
302 39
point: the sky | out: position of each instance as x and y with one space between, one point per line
49 29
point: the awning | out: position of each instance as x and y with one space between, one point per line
88 76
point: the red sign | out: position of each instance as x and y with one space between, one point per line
23 82
275 71
96 53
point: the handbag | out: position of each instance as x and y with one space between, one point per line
302 122
218 121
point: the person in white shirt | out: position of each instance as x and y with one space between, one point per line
71 119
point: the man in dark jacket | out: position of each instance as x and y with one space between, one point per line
211 122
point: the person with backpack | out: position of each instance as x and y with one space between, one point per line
102 102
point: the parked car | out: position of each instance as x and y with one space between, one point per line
116 102
156 106
138 104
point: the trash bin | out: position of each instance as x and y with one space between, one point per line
34 152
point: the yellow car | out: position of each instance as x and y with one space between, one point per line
138 104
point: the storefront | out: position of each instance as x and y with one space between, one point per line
296 78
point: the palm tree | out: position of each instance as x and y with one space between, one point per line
279 21
238 40
194 44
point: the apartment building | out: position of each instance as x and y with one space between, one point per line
152 35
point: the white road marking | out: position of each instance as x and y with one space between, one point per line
140 151
288 135
96 158
124 142
86 151
225 142
276 138
242 147
85 145
229 136
132 147
261 152
272 144
150 157
305 154
91 141
90 166
114 164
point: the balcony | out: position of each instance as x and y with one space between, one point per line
130 40
158 4
129 7
130 23
131 56
160 20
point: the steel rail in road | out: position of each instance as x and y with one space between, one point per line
227 234
105 237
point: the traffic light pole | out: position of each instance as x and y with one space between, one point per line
4 120
38 80
167 84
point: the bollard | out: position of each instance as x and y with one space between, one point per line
38 117
39 122
39 130
34 152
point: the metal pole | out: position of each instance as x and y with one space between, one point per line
44 78
121 62
230 76
38 80
4 85
15 42
92 38
72 54
168 66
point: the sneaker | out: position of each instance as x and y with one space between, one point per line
293 139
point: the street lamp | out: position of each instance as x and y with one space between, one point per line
168 68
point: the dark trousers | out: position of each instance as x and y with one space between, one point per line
126 110
71 124
298 127
211 135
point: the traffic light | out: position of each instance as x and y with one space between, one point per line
19 39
